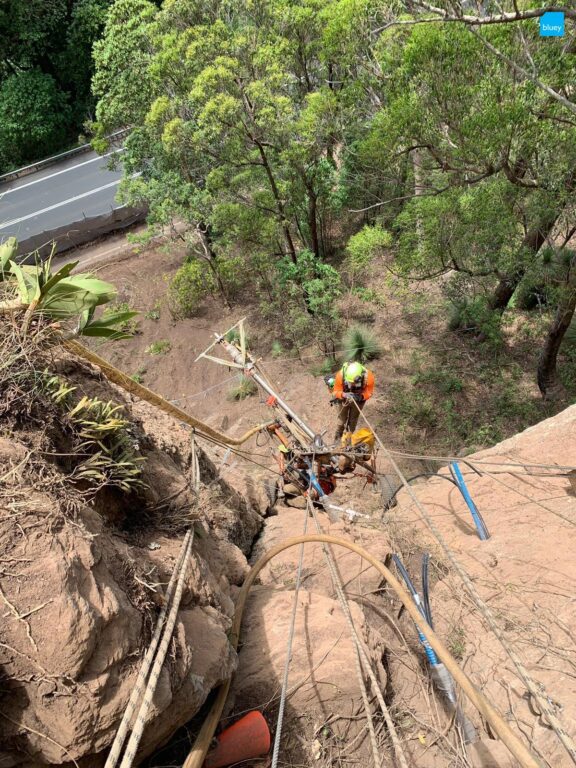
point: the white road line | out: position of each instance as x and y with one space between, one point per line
5 224
58 173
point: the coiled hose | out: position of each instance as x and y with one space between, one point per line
198 752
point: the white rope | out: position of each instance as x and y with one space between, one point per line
336 581
363 657
138 688
138 730
283 694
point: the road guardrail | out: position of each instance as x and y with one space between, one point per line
47 162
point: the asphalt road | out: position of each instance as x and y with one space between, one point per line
58 196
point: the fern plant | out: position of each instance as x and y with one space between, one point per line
102 440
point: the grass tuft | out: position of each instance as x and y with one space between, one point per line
246 388
159 347
361 344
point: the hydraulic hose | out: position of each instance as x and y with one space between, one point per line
196 756
127 383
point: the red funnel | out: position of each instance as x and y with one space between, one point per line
248 738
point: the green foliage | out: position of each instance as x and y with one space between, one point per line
154 313
277 349
365 246
276 130
306 301
246 388
360 343
122 56
161 347
370 295
456 642
413 410
45 74
34 117
34 290
191 284
104 450
441 379
475 316
103 437
325 367
233 337
124 318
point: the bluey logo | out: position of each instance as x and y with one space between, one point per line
552 24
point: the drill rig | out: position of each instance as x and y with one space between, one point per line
306 463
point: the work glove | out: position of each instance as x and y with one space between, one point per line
334 401
353 396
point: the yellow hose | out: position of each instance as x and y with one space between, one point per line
122 380
197 755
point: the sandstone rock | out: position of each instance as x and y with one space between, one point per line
324 696
80 586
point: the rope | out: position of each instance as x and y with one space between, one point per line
139 390
138 690
500 727
138 730
487 462
205 391
195 465
280 719
541 698
534 501
358 659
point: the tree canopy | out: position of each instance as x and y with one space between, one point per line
46 70
276 128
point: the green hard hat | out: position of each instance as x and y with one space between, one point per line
353 371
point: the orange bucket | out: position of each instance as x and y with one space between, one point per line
248 738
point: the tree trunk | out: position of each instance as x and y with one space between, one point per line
418 192
209 255
278 199
534 239
313 222
548 379
504 291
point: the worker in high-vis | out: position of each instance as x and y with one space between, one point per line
353 385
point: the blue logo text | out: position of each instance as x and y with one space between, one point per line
552 24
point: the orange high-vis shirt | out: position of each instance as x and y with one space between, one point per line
366 392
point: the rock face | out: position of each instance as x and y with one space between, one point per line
525 572
324 705
80 596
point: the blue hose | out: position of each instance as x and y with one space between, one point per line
481 527
439 672
430 655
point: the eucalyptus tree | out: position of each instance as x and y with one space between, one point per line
233 118
492 156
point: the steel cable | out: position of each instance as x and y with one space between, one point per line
284 690
360 658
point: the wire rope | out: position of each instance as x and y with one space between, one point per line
358 658
284 690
